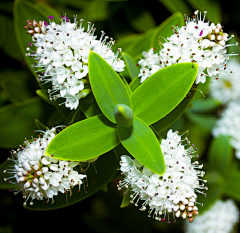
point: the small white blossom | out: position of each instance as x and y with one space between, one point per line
229 125
226 88
196 42
62 54
220 218
172 193
40 176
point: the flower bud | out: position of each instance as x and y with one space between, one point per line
219 37
38 173
123 115
27 184
36 167
26 166
222 42
212 37
35 180
23 178
217 30
44 169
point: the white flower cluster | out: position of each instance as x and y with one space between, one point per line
226 88
229 125
40 176
196 42
62 53
174 191
220 218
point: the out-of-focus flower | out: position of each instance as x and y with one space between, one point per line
175 192
220 218
62 54
226 88
229 125
40 176
198 42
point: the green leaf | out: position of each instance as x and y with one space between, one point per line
212 7
131 66
135 83
126 200
17 121
106 167
233 185
164 29
140 44
40 125
140 21
98 10
8 38
163 91
174 6
205 105
173 116
48 10
108 88
207 122
84 140
23 10
3 184
214 192
142 144
125 42
89 106
18 89
220 154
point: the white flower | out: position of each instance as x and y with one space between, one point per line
220 218
226 88
40 176
229 125
172 193
197 42
62 54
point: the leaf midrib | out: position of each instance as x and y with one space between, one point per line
153 99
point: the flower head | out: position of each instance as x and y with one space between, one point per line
40 176
220 218
229 125
172 193
198 42
226 88
62 52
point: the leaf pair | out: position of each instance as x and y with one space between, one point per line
155 98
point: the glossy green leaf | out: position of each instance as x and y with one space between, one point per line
163 91
212 7
17 121
108 88
164 29
173 116
89 106
142 144
131 66
175 6
4 184
106 167
22 11
84 140
233 185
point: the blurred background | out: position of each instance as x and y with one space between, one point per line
131 24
